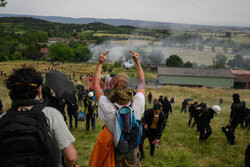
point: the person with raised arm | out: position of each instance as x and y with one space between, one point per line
120 96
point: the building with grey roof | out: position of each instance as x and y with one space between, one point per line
196 77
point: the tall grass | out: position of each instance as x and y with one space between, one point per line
179 146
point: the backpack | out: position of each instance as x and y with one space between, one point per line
26 141
128 131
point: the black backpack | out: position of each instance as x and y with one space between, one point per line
26 141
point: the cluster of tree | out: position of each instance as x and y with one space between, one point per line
238 62
74 51
176 61
15 46
195 41
3 3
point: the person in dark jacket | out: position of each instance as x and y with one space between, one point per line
206 115
154 122
72 111
191 113
236 116
184 106
155 101
160 100
150 96
166 107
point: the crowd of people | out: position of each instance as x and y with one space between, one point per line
44 137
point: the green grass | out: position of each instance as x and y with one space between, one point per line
179 146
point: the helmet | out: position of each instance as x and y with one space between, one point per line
90 94
216 109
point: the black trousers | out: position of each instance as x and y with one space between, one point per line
90 117
205 130
247 156
190 121
151 135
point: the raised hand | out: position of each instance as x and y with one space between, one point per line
102 57
135 56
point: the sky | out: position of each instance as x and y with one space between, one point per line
205 12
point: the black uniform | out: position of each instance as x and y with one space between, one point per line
237 115
247 156
72 111
184 106
152 134
150 98
205 129
166 108
192 110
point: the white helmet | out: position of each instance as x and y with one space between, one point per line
90 94
217 109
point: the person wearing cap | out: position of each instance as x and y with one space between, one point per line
89 111
154 122
206 115
236 116
120 95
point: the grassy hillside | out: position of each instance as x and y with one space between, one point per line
179 146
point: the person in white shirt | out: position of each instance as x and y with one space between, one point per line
120 96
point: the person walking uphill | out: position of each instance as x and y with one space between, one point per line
34 134
154 122
236 116
109 108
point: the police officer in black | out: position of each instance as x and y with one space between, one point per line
236 116
166 107
206 115
191 112
153 124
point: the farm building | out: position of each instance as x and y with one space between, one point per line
196 77
154 67
242 79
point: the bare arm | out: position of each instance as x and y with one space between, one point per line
70 155
97 79
140 74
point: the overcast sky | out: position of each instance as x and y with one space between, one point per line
209 12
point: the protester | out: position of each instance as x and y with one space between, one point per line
184 106
172 102
155 101
89 111
154 122
72 111
166 107
150 96
161 100
221 101
191 113
53 101
119 97
206 114
197 116
1 107
236 116
24 85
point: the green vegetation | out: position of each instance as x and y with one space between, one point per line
179 146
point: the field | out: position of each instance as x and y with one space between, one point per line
179 146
